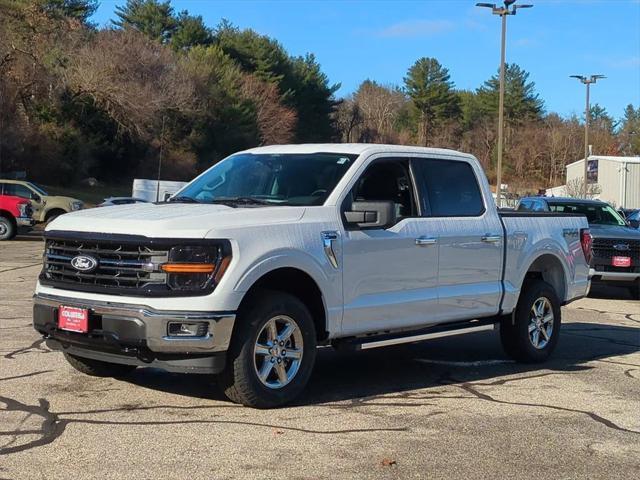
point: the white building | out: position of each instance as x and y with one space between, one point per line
617 178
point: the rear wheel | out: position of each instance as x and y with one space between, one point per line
7 228
531 334
272 353
97 368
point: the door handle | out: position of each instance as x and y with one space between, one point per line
492 238
420 241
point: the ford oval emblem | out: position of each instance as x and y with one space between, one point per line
622 247
84 263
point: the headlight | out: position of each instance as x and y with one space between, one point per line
76 206
24 209
196 267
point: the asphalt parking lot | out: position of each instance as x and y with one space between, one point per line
448 408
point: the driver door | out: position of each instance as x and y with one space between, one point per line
389 274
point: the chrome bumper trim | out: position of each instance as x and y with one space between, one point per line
25 221
620 276
155 323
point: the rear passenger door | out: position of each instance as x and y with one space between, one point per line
470 237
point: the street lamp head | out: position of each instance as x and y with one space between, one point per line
487 5
597 77
582 78
528 5
507 3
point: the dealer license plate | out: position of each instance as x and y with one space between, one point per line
73 319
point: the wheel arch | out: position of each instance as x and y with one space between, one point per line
46 215
550 268
299 283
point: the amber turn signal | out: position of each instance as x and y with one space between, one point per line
188 267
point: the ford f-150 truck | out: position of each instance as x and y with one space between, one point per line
276 250
15 216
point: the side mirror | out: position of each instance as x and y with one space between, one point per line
634 223
36 198
371 214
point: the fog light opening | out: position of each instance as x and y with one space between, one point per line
188 329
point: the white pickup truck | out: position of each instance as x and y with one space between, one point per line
276 250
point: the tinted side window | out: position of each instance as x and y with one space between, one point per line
17 190
387 180
450 188
524 206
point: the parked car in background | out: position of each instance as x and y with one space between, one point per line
633 219
616 242
626 212
108 202
15 216
277 249
45 207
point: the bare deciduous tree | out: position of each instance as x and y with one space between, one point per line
131 78
276 122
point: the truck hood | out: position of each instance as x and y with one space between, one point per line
171 220
614 231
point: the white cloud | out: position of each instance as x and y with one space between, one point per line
416 28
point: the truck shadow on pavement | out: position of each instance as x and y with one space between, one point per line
354 376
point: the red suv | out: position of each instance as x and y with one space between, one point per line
15 216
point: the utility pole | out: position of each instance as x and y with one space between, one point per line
508 9
587 118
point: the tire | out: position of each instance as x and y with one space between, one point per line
517 339
97 368
8 229
240 380
52 215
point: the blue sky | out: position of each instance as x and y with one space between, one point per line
378 39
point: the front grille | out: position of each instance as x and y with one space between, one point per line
603 250
120 265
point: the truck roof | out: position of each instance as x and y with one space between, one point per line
585 201
353 149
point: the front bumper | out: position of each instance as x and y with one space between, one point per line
25 221
627 277
136 334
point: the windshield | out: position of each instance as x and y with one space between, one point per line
38 189
596 213
273 179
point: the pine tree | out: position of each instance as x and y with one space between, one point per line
521 102
429 87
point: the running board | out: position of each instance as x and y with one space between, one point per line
439 331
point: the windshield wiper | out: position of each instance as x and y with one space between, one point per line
240 201
183 199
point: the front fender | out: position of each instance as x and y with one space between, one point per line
328 279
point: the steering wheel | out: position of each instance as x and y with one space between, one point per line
318 192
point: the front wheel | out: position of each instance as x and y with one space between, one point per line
7 228
531 334
272 352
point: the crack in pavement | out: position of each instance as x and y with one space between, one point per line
53 426
32 374
37 345
469 387
605 339
20 268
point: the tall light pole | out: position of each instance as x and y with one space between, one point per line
587 117
508 9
